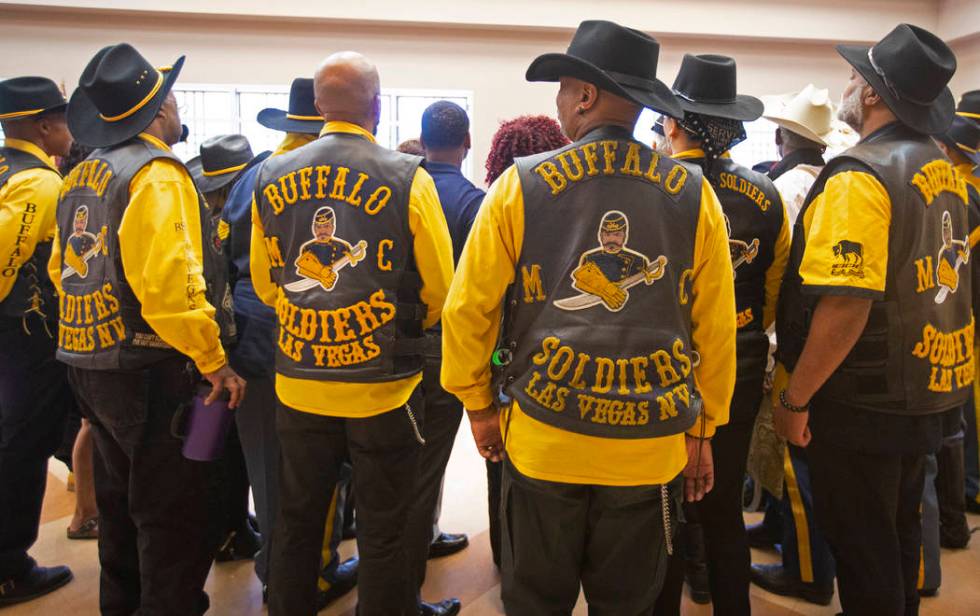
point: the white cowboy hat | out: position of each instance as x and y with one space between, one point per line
808 113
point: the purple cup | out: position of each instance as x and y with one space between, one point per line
206 428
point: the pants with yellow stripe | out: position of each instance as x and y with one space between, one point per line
806 555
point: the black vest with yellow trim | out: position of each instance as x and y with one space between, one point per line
32 290
754 214
101 324
599 317
915 355
336 220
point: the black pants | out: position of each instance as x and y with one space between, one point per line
720 515
34 401
229 489
443 413
867 505
156 538
494 479
385 455
557 536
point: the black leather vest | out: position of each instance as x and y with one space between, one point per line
599 318
101 324
335 216
32 290
915 355
754 212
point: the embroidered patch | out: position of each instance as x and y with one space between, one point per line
849 259
605 274
321 259
953 255
82 246
742 252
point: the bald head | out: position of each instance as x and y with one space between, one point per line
347 88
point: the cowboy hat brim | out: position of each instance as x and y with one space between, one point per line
973 157
652 94
211 183
744 108
930 119
277 119
799 129
88 128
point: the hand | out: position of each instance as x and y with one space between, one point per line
225 378
768 381
791 426
698 478
485 425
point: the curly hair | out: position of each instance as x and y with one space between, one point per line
522 136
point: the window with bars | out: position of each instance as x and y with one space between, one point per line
210 110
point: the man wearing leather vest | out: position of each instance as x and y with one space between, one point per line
140 316
34 393
758 245
613 264
253 356
875 324
350 245
805 129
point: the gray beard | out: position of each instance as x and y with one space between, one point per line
850 111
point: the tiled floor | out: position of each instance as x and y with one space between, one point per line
468 575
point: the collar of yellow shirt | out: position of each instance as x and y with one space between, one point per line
696 153
337 126
32 149
154 141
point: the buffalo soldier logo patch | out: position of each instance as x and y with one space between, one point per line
953 255
321 259
605 275
848 259
82 246
742 252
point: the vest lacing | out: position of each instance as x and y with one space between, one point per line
36 301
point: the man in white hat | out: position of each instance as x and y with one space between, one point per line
805 124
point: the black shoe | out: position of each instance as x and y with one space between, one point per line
928 592
760 537
956 538
37 582
972 505
696 577
448 543
240 544
345 579
449 607
776 580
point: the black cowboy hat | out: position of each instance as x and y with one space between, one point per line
963 135
302 116
614 58
118 96
909 69
22 97
222 160
705 84
969 106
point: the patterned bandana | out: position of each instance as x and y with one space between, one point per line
717 135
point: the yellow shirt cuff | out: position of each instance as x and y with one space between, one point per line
211 361
476 400
696 430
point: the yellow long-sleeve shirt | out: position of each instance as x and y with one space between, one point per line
21 229
471 320
162 256
434 261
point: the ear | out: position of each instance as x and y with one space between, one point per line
467 141
869 97
422 143
779 136
588 97
316 105
671 128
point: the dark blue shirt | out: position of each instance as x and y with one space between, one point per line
254 354
460 202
